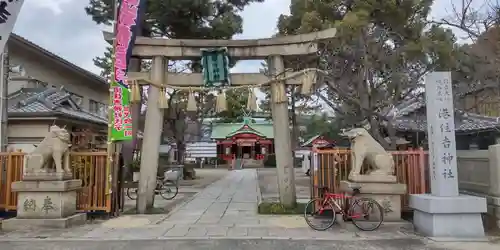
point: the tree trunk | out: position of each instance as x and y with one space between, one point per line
375 132
181 150
392 135
187 170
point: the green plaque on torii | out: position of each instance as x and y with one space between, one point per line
215 62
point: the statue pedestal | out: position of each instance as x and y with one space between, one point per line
47 176
45 203
449 217
387 194
373 178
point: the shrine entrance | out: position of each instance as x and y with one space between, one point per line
246 143
245 152
215 55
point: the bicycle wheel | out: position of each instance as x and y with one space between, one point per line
319 217
132 193
366 214
168 190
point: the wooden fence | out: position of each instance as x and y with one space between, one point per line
411 169
11 166
99 190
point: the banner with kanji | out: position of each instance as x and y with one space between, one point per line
9 11
127 25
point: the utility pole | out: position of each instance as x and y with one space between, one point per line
7 23
4 78
4 81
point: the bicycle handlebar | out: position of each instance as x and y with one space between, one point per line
355 191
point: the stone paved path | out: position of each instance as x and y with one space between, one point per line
226 209
227 244
229 201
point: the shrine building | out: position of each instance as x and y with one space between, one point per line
245 144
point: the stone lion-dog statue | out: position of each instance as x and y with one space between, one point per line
53 147
364 146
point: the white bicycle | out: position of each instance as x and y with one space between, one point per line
167 186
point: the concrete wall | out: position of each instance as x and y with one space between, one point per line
23 136
27 130
479 174
41 68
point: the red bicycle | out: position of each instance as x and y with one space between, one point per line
356 209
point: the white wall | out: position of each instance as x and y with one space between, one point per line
41 68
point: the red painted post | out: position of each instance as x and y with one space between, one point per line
421 166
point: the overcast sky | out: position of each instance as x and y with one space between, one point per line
62 27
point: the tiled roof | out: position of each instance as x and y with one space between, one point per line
471 87
305 144
32 102
411 116
223 130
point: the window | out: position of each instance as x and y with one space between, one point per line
98 108
93 106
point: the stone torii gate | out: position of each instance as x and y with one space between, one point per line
276 51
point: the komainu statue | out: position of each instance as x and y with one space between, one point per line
363 146
53 147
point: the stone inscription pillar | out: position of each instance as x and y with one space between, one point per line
282 140
444 213
441 130
152 139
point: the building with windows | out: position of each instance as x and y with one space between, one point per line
52 91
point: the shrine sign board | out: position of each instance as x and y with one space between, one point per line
441 134
215 64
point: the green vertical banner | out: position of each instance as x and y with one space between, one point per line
126 30
215 64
